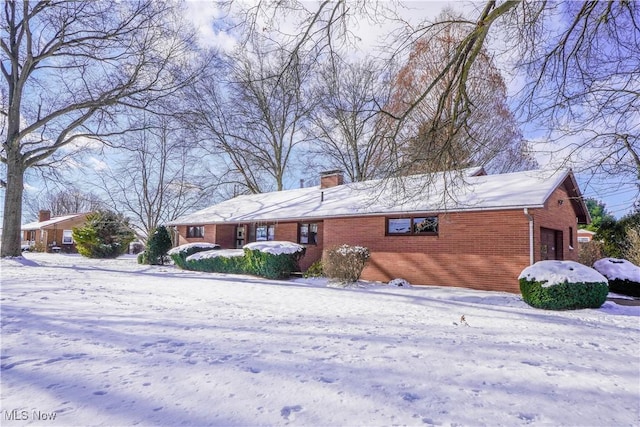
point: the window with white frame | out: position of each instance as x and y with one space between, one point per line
265 232
67 237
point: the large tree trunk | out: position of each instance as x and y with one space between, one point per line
12 221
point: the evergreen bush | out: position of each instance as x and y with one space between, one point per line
216 261
104 234
314 270
623 275
562 285
180 253
345 263
142 258
272 265
158 245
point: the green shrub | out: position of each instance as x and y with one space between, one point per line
625 287
345 263
314 270
158 245
142 258
623 275
272 266
562 285
564 296
104 234
217 261
179 254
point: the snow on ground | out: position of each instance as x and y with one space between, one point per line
110 342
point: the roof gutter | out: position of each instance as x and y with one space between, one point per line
530 218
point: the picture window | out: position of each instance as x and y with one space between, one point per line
419 225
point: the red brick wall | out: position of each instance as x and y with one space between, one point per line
557 216
225 236
481 250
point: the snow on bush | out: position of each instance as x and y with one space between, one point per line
550 273
624 276
226 253
275 247
272 259
562 285
345 263
187 247
400 283
180 253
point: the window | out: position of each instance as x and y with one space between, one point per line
265 232
195 231
307 234
67 237
419 225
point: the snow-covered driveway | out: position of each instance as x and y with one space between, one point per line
109 342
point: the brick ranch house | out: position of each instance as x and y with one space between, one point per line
479 234
52 234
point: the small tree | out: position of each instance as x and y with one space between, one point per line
158 245
105 234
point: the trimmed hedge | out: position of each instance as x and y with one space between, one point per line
562 285
564 296
179 254
625 287
271 266
217 264
623 275
272 260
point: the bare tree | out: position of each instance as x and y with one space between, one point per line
68 201
159 174
255 115
69 68
349 132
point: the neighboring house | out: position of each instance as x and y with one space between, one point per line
52 234
429 229
585 236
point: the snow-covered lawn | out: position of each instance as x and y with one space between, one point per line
111 342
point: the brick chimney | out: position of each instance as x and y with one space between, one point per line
44 215
331 178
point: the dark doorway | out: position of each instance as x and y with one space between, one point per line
551 244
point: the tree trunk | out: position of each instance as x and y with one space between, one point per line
12 221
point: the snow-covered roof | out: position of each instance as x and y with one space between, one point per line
440 192
37 225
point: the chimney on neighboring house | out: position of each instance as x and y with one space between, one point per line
331 178
44 215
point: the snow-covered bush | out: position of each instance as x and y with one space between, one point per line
401 283
217 261
562 285
180 253
623 276
345 263
272 259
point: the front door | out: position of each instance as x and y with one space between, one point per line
550 244
240 236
